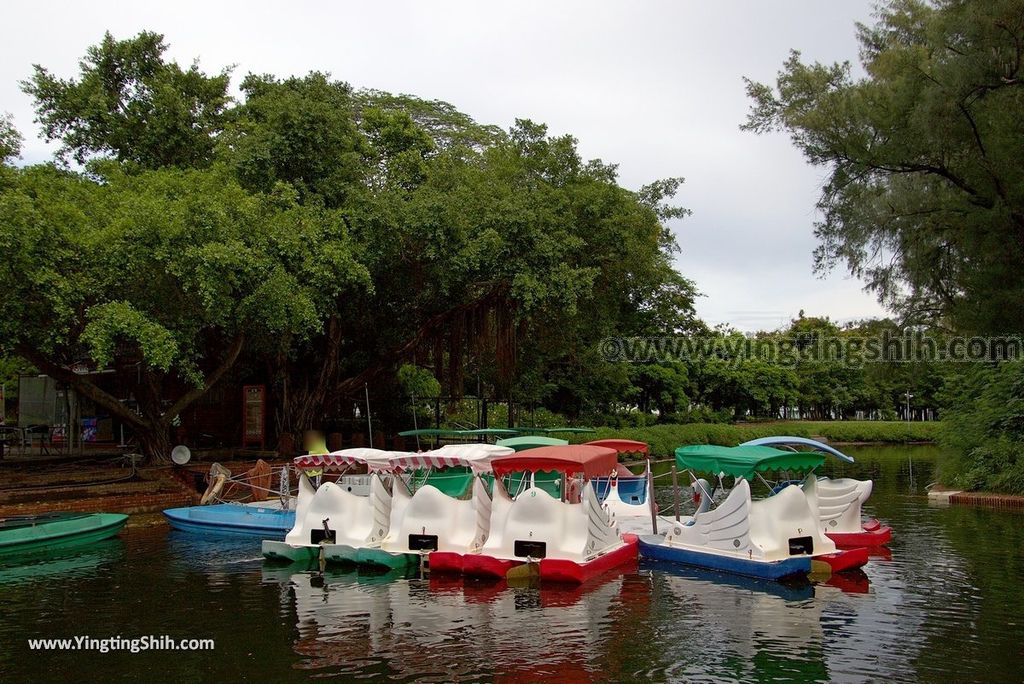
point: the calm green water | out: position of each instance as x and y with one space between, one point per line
946 604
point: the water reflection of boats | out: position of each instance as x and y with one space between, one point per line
392 625
753 629
66 564
793 589
880 553
206 553
852 582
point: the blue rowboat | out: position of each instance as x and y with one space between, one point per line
257 521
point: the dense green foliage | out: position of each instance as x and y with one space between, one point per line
315 238
925 194
985 428
172 269
132 105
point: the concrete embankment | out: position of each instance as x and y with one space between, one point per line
954 497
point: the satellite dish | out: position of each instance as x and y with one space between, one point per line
180 454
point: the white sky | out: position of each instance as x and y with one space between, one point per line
654 86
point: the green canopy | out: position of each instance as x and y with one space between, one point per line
530 442
489 431
744 461
549 430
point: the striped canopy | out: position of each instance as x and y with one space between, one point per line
376 460
475 456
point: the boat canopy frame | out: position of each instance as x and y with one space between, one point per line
789 441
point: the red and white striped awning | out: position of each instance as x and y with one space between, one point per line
476 456
376 460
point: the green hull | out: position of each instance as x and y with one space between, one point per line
60 533
290 553
383 559
340 553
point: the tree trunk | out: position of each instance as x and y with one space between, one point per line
155 442
153 427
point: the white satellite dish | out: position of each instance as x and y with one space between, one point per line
180 454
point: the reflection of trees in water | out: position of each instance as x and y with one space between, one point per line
974 625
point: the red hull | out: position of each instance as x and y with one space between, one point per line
845 560
556 570
476 565
551 569
872 534
445 562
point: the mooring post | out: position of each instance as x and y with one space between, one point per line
675 490
650 498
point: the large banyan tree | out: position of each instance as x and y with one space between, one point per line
325 234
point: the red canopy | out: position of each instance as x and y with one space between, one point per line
592 461
623 446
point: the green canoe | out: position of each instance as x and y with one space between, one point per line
34 534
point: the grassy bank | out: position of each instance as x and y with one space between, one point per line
665 438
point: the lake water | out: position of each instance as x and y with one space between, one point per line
944 603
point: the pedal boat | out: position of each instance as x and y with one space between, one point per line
838 501
630 489
569 539
430 525
333 520
771 538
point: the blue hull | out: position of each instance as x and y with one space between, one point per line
265 523
772 570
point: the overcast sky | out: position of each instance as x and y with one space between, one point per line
655 87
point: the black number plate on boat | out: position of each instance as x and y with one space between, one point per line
801 546
317 536
423 542
531 549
